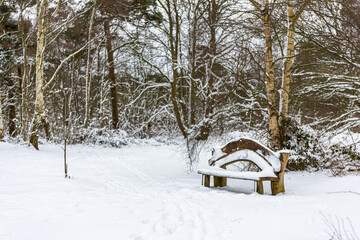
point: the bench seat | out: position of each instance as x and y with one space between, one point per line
220 172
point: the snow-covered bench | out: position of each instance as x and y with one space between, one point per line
271 165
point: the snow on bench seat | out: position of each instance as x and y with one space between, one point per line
220 172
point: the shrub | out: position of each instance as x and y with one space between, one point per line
311 151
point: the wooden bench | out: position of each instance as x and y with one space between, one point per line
271 165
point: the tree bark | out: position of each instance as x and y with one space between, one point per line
12 108
147 115
1 122
279 186
282 114
285 91
175 103
174 35
284 105
88 70
270 79
192 91
24 81
213 9
205 128
113 88
40 119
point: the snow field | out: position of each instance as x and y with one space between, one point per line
143 192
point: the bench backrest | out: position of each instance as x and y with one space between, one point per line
246 150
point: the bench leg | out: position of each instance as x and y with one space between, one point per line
207 180
220 181
260 187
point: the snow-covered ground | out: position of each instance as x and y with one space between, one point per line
144 192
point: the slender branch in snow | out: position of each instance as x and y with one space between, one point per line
64 61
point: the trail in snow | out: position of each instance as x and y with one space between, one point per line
143 192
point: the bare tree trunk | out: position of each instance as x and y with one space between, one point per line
292 19
103 87
40 118
213 10
193 54
213 19
24 93
147 114
12 108
174 39
113 88
1 116
274 115
65 161
88 70
26 73
284 105
174 101
273 120
66 105
279 186
270 79
1 122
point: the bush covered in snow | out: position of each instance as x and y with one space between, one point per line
306 145
98 136
342 159
113 138
313 151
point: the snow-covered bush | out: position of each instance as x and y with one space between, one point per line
312 151
342 159
98 136
305 144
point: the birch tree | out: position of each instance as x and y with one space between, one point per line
276 116
25 80
45 37
1 115
292 17
273 119
40 118
88 68
1 122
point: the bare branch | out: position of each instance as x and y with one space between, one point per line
256 5
63 62
300 11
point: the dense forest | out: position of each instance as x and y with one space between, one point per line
80 69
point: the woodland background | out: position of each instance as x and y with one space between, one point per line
104 71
